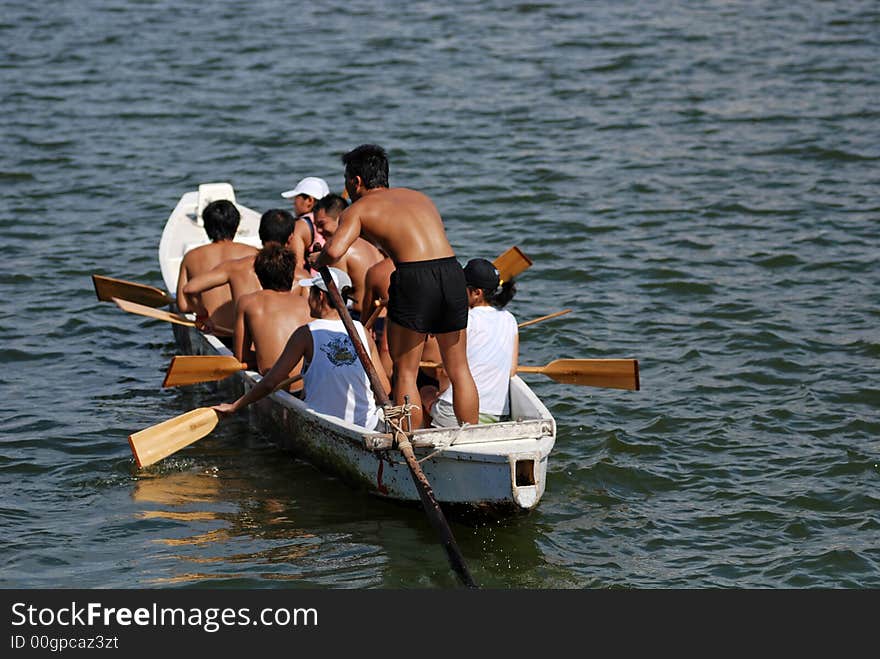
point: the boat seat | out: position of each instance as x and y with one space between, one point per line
209 192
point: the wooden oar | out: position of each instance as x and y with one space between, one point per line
159 314
547 317
511 263
609 373
374 315
107 288
193 369
157 442
426 493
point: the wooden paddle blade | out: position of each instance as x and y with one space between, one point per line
106 288
611 373
156 442
150 312
511 263
192 369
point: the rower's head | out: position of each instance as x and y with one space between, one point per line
221 220
320 305
306 193
484 285
327 212
366 168
274 265
276 225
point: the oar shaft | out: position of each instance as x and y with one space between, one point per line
547 317
426 493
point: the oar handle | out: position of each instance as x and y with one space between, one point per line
374 315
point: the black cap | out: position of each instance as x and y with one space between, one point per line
480 273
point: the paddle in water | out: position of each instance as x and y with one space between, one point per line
157 442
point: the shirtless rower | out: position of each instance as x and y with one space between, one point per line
268 317
360 255
276 226
213 307
428 293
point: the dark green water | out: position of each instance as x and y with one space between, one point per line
697 181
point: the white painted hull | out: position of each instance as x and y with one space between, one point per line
502 465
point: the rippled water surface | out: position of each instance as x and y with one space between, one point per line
697 181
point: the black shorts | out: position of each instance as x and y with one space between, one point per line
429 296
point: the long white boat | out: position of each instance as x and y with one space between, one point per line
500 465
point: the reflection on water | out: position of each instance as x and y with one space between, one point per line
195 501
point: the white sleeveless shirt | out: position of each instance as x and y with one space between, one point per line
335 382
491 334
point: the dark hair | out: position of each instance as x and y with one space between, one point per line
274 266
221 219
276 225
370 162
501 295
332 204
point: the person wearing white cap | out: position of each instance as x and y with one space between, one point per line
304 197
334 380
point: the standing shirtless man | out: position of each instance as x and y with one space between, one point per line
428 293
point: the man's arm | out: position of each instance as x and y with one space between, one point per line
216 276
242 339
184 303
290 357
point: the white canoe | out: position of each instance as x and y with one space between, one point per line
500 465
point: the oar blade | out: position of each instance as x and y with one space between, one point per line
193 369
610 373
157 442
150 312
511 263
106 288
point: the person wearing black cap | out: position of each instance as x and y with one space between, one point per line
492 349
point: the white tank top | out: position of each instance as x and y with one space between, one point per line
490 339
335 382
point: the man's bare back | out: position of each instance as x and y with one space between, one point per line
216 302
404 222
267 319
238 273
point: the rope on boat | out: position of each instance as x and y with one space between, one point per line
394 415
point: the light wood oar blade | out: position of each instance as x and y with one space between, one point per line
611 373
192 369
106 288
511 263
156 442
547 317
150 312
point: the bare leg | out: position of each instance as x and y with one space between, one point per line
405 346
465 399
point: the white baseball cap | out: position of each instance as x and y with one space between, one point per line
310 185
340 278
